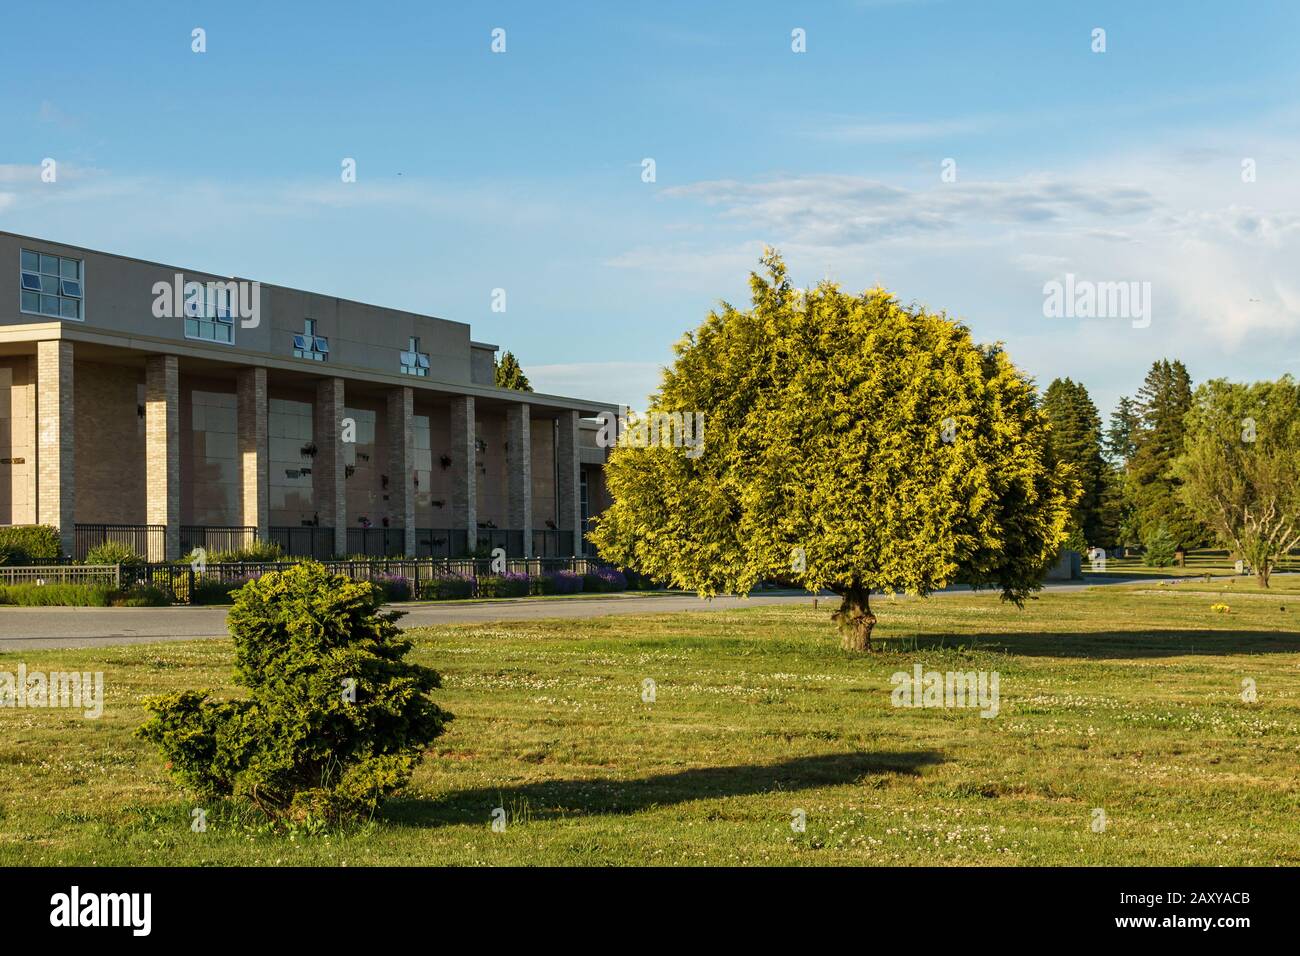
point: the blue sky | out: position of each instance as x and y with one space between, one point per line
523 170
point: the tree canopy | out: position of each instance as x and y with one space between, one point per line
1240 470
510 375
1076 440
851 444
1163 403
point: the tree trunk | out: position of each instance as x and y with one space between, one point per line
854 619
1262 572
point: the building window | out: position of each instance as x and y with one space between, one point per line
309 345
413 361
52 285
208 315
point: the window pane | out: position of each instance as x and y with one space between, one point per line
31 302
50 284
69 308
49 305
223 333
192 328
72 287
322 345
31 261
70 268
49 265
32 282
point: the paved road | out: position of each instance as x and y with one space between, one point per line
26 628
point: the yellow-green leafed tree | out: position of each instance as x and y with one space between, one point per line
851 444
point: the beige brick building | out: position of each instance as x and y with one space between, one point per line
172 409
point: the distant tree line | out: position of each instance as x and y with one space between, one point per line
1179 468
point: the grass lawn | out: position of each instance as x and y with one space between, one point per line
1111 699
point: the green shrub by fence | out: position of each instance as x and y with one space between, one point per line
29 543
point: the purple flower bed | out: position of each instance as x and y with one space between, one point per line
604 579
396 587
565 582
509 584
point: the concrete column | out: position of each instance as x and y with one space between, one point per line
251 400
56 467
401 463
162 438
568 469
519 472
328 472
464 473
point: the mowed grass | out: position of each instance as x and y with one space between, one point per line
1110 700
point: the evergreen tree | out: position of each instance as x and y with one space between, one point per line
510 375
1152 487
1121 435
1076 441
864 445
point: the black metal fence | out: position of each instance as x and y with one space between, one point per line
552 543
312 541
512 542
185 583
441 543
305 541
215 539
377 542
146 540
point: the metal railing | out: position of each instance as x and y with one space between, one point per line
552 543
61 574
146 540
216 538
183 582
304 541
377 542
441 543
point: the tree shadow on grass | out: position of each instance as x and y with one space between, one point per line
1107 645
548 799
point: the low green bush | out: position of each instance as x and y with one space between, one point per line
30 543
114 552
212 591
57 595
447 587
336 719
140 595
83 595
509 584
259 552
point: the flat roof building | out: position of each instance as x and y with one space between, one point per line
173 408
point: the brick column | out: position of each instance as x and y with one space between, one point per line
519 473
567 488
464 472
251 400
56 467
401 463
328 474
162 439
